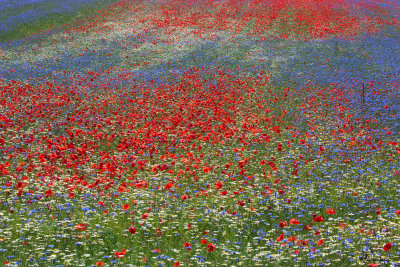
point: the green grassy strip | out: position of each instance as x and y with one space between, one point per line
46 23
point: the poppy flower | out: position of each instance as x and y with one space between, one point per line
279 148
80 226
330 211
176 264
280 238
126 206
241 164
187 245
49 193
206 170
120 254
154 168
169 185
132 230
318 219
210 247
387 246
203 241
294 221
302 243
219 185
320 242
20 185
228 165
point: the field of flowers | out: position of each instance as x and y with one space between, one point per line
194 133
26 17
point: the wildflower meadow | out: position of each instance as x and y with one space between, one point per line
200 133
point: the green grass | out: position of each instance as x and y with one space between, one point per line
46 23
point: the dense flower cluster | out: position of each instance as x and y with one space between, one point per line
204 132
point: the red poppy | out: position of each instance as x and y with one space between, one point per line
100 263
120 254
320 242
187 245
206 170
176 264
210 247
132 230
242 163
279 148
80 226
219 185
318 219
49 193
280 238
203 241
20 185
387 246
294 221
302 243
154 168
126 206
330 211
241 203
158 232
169 185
